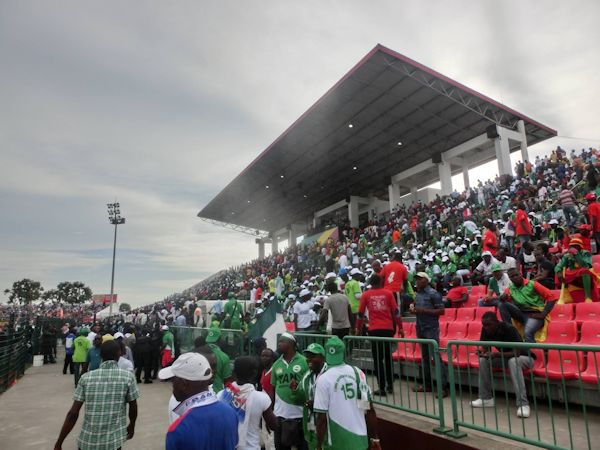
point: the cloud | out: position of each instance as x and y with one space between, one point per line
160 105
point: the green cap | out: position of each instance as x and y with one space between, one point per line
315 349
84 332
214 334
230 295
496 267
334 351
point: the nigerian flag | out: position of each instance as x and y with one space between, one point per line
269 325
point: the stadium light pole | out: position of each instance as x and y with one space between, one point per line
114 217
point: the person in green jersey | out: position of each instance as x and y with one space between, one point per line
233 314
346 419
81 345
305 391
222 373
167 347
353 290
291 365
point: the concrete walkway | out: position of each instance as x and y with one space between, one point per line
32 412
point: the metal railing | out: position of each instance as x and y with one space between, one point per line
560 380
399 370
15 354
232 342
303 340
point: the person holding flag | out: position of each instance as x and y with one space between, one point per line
575 273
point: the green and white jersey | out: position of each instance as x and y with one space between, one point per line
336 394
287 403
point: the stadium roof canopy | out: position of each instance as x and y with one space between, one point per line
387 114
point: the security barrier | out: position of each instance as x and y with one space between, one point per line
559 381
232 342
15 353
303 340
384 359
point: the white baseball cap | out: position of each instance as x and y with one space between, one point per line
330 275
355 271
305 292
118 335
189 366
164 327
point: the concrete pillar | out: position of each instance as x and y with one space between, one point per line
503 154
261 248
445 173
353 212
465 170
394 195
413 194
291 236
524 150
274 247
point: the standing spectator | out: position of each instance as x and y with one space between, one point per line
346 418
516 360
531 303
302 311
428 307
251 405
69 347
267 358
567 200
94 359
490 239
81 345
305 391
353 290
168 347
291 365
394 276
593 210
338 306
105 392
142 354
48 335
523 229
204 422
233 314
384 318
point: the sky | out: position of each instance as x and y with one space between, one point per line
158 105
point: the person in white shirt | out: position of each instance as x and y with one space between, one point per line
506 262
251 405
302 309
483 271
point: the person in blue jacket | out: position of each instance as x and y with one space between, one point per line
204 423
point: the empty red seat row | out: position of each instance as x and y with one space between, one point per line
580 312
465 314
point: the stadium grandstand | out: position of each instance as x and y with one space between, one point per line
352 177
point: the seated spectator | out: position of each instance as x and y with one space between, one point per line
497 285
545 269
457 295
483 271
574 271
505 357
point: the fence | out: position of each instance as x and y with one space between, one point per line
15 353
561 380
386 358
232 342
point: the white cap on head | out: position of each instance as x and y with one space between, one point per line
486 254
118 335
355 271
330 275
304 292
190 366
164 327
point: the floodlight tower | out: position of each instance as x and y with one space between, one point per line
114 217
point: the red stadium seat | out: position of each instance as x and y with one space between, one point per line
587 312
457 331
479 312
562 364
465 314
538 362
590 333
449 315
596 259
562 313
290 326
479 289
472 301
474 331
591 374
443 328
562 333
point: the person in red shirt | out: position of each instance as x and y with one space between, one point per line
594 217
457 295
395 235
384 319
267 358
394 275
522 225
490 239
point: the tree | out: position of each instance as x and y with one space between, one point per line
73 292
125 307
51 295
24 291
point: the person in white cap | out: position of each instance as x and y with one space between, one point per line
168 346
353 291
483 271
302 309
204 422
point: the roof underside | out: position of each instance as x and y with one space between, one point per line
388 99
